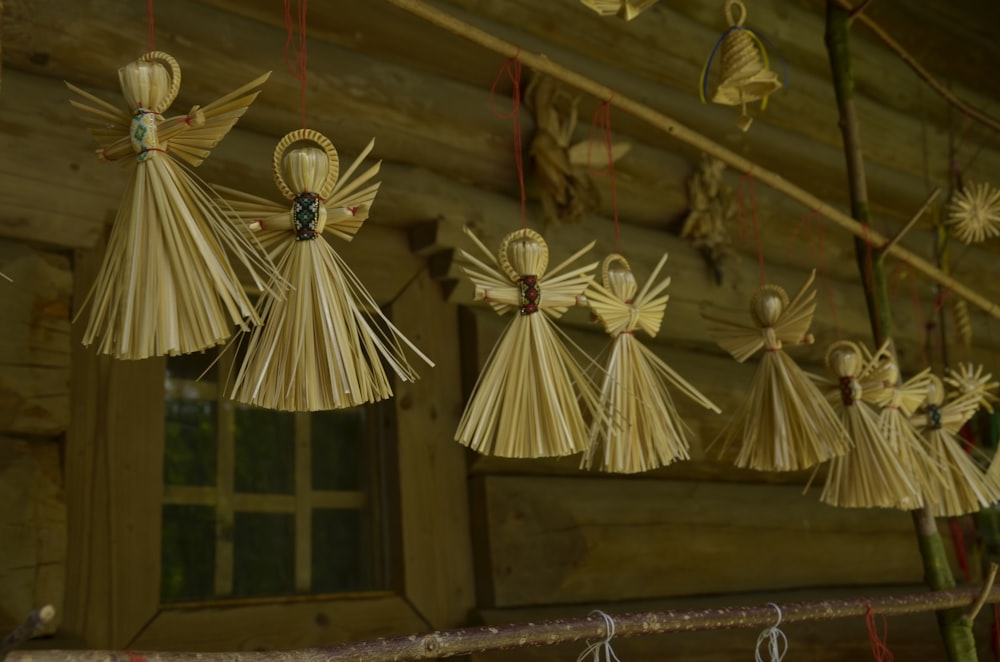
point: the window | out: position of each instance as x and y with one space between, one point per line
119 485
265 503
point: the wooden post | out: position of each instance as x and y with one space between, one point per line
956 631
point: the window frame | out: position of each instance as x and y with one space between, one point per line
114 494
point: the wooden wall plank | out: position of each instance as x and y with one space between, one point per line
296 623
34 340
114 472
437 551
33 530
566 540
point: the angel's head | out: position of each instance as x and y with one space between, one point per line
843 359
151 82
527 253
768 304
935 392
618 277
305 168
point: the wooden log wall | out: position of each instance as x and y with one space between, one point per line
547 535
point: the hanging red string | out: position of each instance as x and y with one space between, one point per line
152 27
825 271
512 67
295 48
602 120
961 549
995 633
753 216
816 236
880 647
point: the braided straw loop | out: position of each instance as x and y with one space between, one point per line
617 277
151 83
305 161
523 252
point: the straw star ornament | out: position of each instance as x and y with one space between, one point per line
975 213
526 402
166 285
785 423
641 429
323 343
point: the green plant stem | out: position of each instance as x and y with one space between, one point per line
956 630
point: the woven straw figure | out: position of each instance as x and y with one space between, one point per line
166 285
974 212
786 423
972 379
627 9
900 401
870 475
527 400
567 189
322 344
641 429
965 488
745 74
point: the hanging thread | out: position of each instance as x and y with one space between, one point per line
295 48
151 37
594 650
817 255
753 218
774 639
880 647
512 67
602 120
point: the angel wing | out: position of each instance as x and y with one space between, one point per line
191 137
644 312
349 201
109 124
740 339
911 394
793 326
492 285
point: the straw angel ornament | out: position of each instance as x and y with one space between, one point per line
899 402
870 475
322 344
785 424
526 402
970 378
966 488
641 429
166 285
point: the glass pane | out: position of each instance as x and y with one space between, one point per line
263 554
338 561
189 444
189 367
188 563
338 458
265 451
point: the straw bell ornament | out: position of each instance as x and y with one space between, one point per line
166 285
626 9
745 75
641 429
527 400
323 344
785 423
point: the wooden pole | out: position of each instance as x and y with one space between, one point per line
466 641
956 631
670 126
